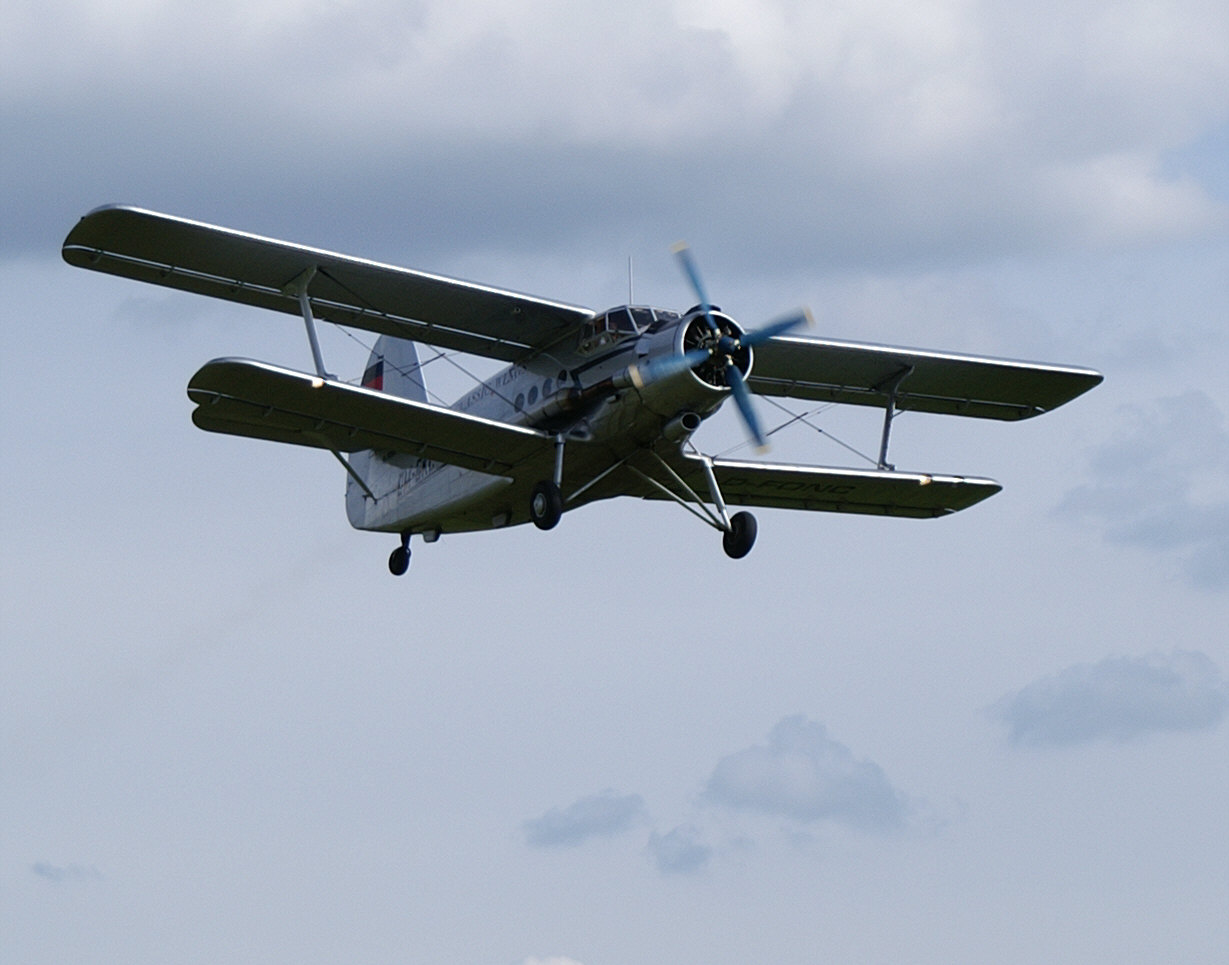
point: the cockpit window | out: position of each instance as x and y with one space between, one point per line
610 326
642 318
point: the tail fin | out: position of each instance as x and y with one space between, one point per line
394 368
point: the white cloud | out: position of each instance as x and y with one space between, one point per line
598 815
802 774
1161 481
552 960
1120 699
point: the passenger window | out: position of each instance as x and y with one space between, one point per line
519 404
533 395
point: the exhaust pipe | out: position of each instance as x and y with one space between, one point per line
681 426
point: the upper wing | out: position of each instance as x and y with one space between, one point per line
987 388
817 488
259 271
247 398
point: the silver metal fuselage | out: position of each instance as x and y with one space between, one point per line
580 392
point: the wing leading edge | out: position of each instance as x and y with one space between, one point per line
240 267
246 398
859 374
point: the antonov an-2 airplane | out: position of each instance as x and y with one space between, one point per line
592 405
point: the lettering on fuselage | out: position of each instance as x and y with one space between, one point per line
418 473
489 388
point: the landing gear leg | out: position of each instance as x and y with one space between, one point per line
399 560
546 503
740 537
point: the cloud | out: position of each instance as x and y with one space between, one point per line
1161 482
802 774
62 874
1119 699
552 960
864 135
680 851
598 815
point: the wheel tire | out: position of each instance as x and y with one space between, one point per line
399 561
738 541
546 505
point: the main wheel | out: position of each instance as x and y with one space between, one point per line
546 505
399 561
738 541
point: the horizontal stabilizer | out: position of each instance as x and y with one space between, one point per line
247 398
860 374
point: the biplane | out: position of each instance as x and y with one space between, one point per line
591 405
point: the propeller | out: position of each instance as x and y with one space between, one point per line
724 345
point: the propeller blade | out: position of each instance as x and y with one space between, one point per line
683 252
773 329
742 398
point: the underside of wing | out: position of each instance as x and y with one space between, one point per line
246 398
849 372
258 271
820 489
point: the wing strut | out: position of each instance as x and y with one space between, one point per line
889 413
298 287
354 475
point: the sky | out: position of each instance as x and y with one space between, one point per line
227 734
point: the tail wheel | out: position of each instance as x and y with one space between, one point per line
545 505
737 542
399 559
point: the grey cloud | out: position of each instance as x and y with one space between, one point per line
801 773
1158 483
61 874
680 851
1120 699
598 815
455 130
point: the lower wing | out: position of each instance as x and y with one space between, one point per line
816 488
246 398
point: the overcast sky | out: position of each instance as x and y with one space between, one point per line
228 735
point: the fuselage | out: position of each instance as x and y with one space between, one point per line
597 393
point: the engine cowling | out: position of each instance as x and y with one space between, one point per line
697 334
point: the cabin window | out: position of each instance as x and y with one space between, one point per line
547 386
519 404
533 395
